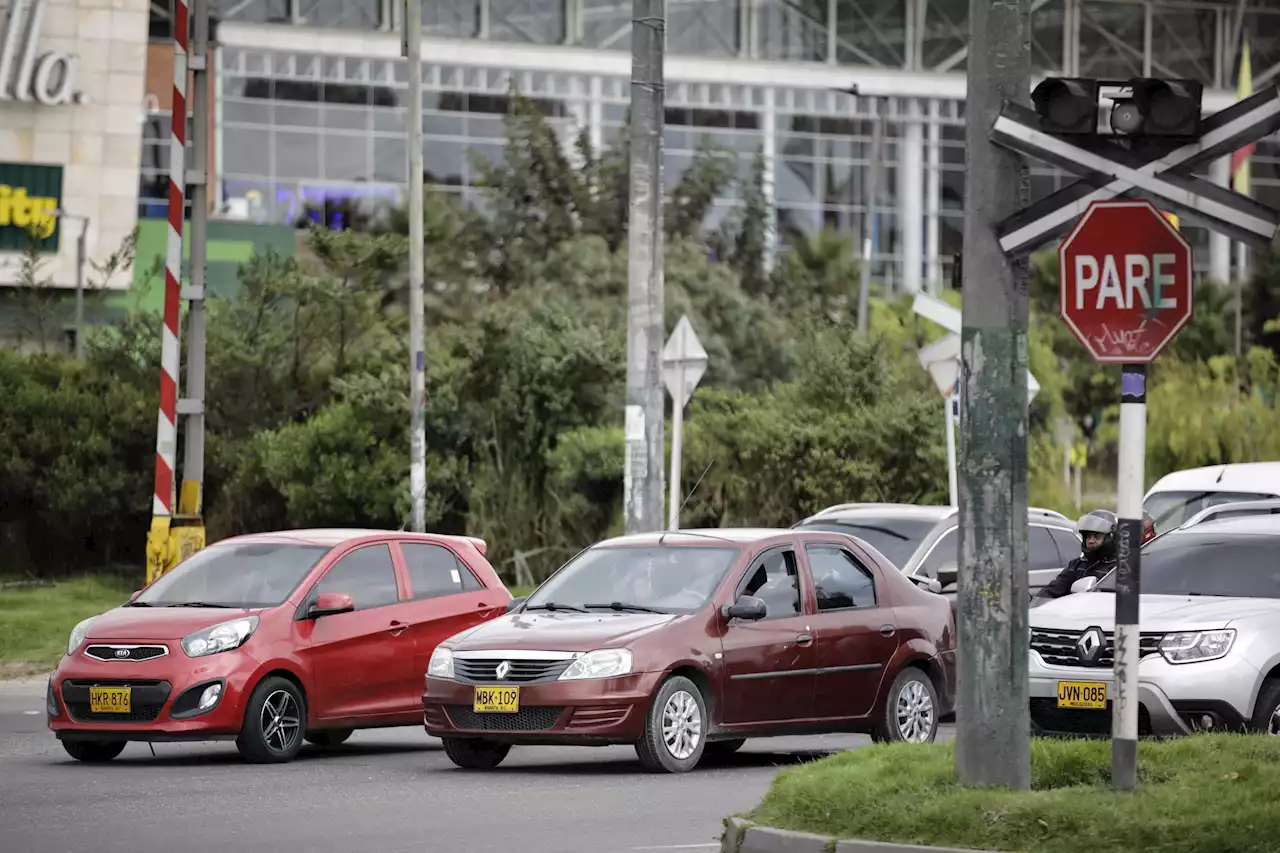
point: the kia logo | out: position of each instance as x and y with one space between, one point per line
122 653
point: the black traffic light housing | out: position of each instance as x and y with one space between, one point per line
1168 108
1067 105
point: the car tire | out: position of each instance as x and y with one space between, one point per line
475 753
274 720
910 710
723 748
93 751
1266 715
329 738
678 703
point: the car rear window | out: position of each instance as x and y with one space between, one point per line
1172 509
1207 563
896 538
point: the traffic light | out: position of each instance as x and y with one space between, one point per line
1067 105
1158 108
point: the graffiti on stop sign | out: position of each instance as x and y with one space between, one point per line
1126 281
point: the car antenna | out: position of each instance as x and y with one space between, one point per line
687 496
1220 473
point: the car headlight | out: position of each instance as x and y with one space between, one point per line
441 664
602 663
1196 646
219 638
78 633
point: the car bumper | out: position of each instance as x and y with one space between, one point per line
165 693
593 712
1173 700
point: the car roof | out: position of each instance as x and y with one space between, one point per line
1246 525
1260 477
331 536
699 536
881 510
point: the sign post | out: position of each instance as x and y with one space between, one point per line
1126 289
941 359
683 363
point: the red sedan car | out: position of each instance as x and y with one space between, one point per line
271 639
688 643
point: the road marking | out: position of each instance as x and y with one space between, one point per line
680 847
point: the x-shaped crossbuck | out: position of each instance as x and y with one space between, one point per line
1162 170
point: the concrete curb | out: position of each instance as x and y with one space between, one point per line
743 836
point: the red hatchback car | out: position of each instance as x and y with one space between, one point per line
688 643
271 639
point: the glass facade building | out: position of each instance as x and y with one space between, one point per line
310 110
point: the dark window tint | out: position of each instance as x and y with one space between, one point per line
366 575
1042 552
775 580
839 581
896 538
434 570
946 552
1171 509
236 574
1068 543
1244 566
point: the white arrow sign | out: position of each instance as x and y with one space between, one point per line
683 363
948 317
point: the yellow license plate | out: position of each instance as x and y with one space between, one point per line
497 700
110 700
1083 695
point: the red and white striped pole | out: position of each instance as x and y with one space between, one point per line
170 354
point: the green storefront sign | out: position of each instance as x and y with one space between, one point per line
29 199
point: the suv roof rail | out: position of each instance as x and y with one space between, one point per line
1267 507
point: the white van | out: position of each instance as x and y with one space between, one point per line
1176 497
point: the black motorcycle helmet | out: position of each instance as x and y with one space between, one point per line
1097 531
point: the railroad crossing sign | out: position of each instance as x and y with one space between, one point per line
1125 281
934 358
1161 169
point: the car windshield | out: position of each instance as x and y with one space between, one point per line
896 538
1171 509
1216 564
235 575
665 578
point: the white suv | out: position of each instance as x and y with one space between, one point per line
1210 634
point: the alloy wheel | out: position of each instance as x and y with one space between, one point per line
281 721
681 725
915 712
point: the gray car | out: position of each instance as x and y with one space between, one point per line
923 540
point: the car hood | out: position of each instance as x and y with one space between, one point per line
569 632
158 623
1156 612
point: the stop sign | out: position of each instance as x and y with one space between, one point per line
1124 273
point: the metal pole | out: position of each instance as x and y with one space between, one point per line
190 496
677 447
80 258
948 403
1133 444
1242 260
417 274
873 190
993 746
645 407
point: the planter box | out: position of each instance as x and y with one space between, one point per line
742 836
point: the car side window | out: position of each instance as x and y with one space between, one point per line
366 574
946 550
434 571
1042 552
839 580
1068 543
775 579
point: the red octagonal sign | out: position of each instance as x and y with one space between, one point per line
1125 278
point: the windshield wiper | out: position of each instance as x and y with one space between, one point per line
201 604
622 605
552 606
138 604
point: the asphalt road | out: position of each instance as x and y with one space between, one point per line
383 791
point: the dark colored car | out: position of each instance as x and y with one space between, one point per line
687 643
270 639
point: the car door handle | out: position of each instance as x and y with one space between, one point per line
887 630
397 628
804 640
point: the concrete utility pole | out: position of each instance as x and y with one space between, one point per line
643 487
993 745
417 274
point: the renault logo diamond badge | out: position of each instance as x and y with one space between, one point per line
503 669
1090 645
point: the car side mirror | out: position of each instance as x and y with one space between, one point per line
948 575
928 585
516 603
747 607
331 603
1084 585
134 597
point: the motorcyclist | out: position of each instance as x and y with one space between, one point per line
1097 531
1148 528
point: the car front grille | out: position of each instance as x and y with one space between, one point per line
102 651
485 670
1058 647
146 701
1046 715
532 719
